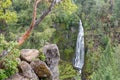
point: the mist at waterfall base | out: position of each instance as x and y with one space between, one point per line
78 60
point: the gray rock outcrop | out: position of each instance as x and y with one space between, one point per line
52 59
32 68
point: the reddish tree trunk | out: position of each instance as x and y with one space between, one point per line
34 21
27 33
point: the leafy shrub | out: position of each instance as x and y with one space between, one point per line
66 70
9 16
67 52
2 74
9 61
65 13
42 56
107 68
38 39
10 67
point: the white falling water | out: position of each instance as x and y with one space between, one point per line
58 1
79 54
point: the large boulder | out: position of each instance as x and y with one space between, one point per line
27 71
29 54
41 69
17 76
52 59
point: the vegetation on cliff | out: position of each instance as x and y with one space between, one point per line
101 21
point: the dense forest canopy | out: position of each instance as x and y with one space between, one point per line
56 21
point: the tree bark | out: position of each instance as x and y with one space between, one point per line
35 22
45 13
27 33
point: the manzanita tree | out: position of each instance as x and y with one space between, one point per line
35 20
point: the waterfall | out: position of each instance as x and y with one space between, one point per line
79 54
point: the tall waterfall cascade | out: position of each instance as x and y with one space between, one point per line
78 61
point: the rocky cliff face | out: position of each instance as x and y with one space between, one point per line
52 59
32 68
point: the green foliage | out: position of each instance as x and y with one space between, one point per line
67 7
107 68
40 35
42 56
2 74
9 16
9 61
116 13
66 70
60 27
116 59
65 13
68 52
65 38
97 20
11 67
24 11
5 12
4 45
5 3
93 12
38 39
91 59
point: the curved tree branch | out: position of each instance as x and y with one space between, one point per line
27 33
45 13
34 23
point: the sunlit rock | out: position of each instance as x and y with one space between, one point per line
27 71
29 54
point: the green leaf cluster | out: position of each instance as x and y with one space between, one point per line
9 61
107 67
6 12
66 70
64 12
